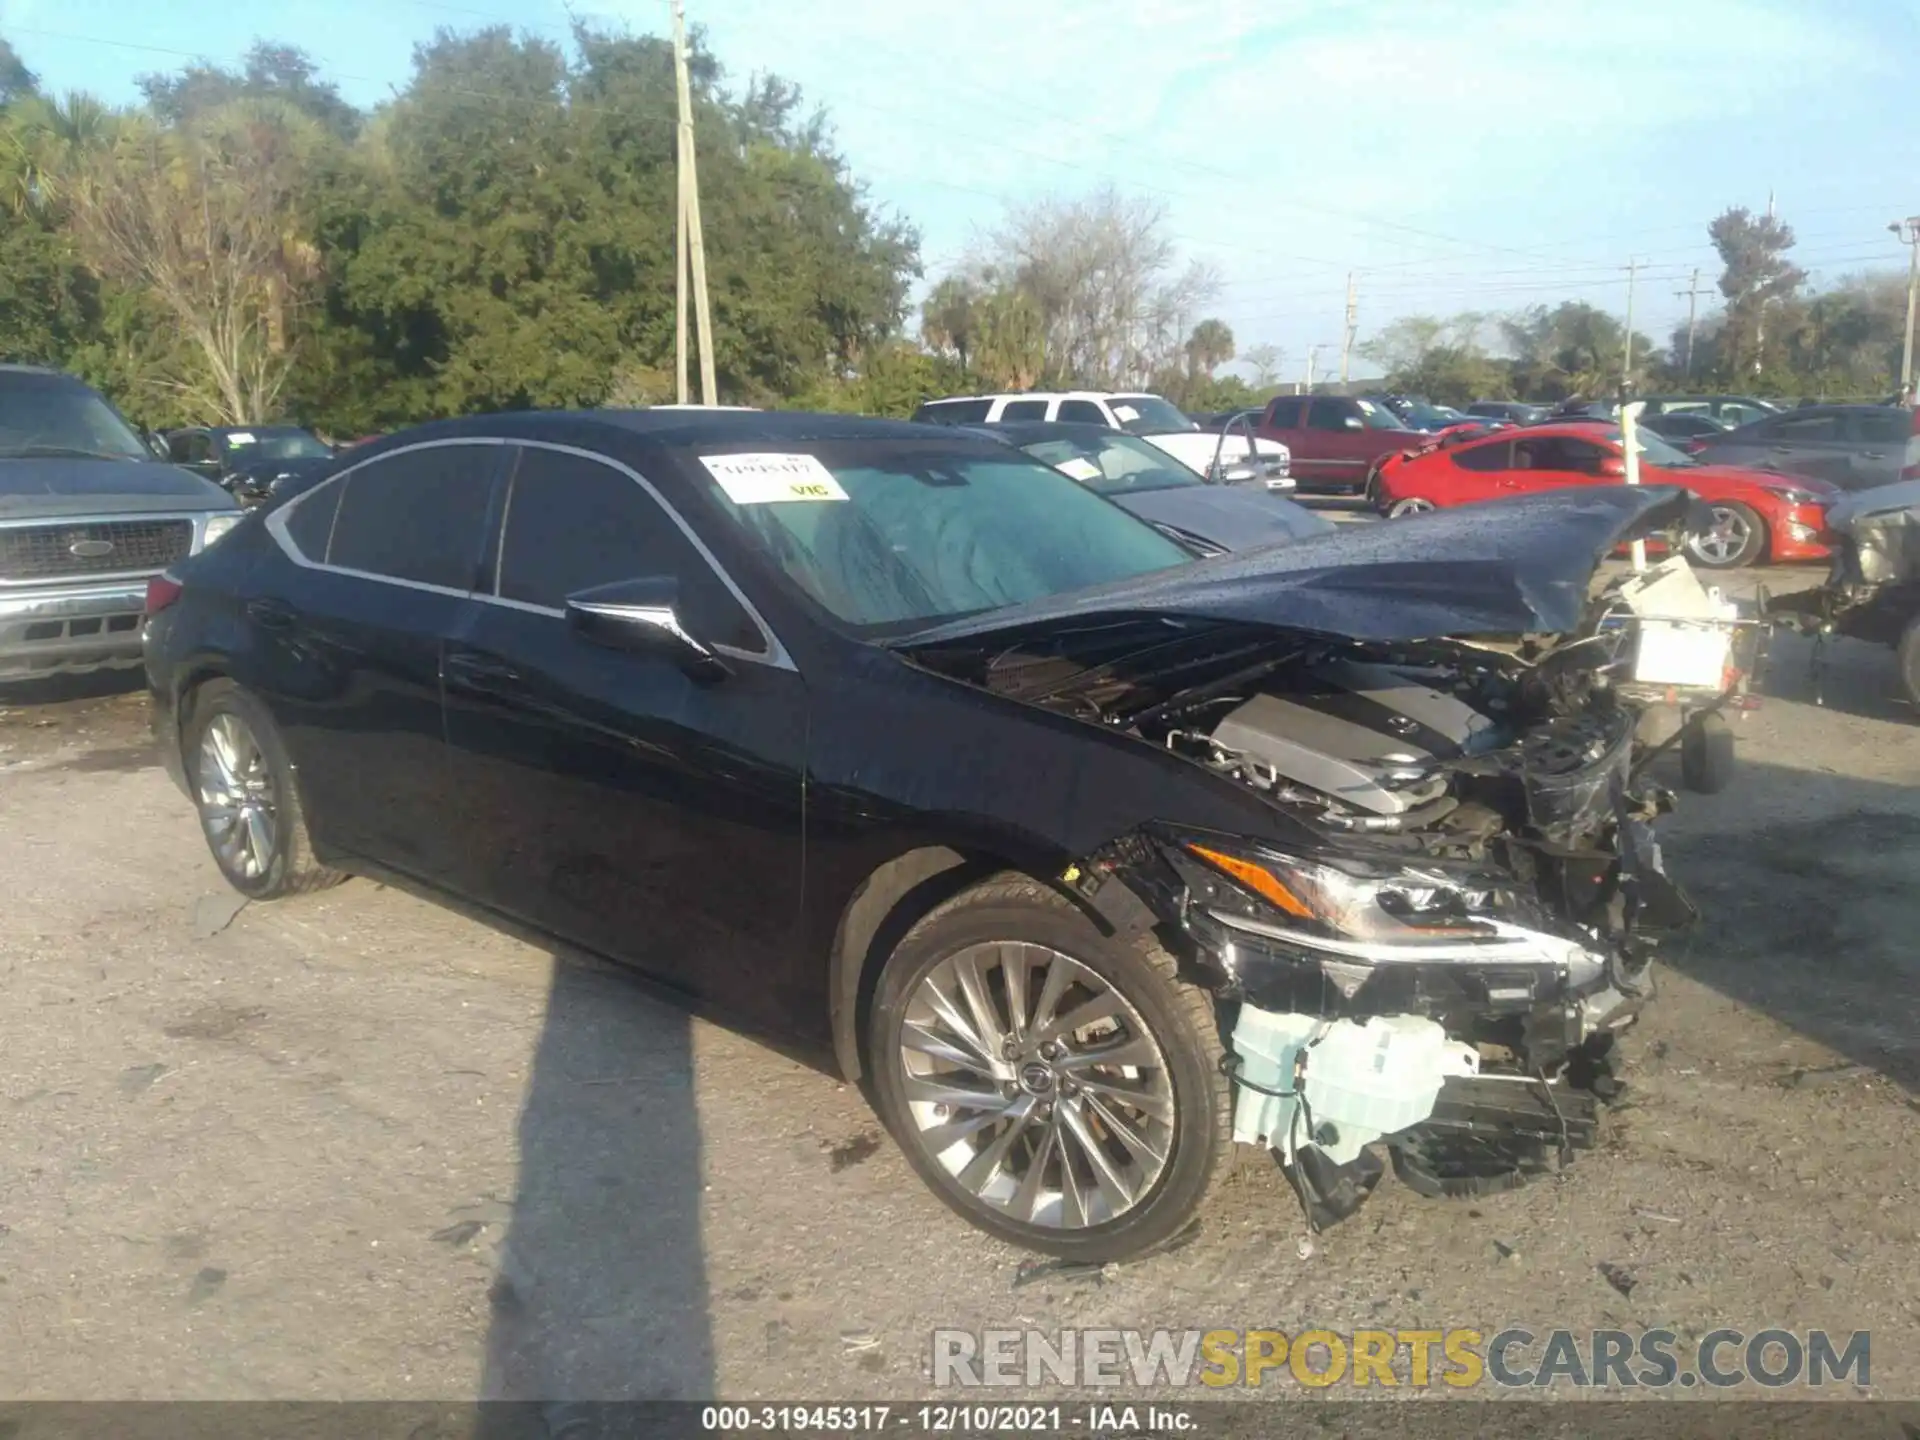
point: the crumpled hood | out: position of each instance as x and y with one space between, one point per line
61 487
1509 567
1884 525
1234 517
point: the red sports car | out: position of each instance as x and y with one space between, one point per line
1757 516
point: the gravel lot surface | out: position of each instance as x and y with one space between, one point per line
358 1145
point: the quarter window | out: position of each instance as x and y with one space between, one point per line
1024 410
573 523
1285 414
1083 412
310 520
419 515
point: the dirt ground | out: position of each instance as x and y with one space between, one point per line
357 1145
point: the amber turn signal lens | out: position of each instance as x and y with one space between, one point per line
1256 878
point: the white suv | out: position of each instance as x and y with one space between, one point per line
1149 416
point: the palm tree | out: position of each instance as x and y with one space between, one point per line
1208 347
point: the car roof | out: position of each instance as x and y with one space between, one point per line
664 427
40 372
1047 395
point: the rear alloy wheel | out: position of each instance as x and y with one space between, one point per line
243 788
1412 505
1057 1086
1737 536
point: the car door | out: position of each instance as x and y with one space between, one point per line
1877 441
1337 433
1473 472
606 796
349 641
1804 442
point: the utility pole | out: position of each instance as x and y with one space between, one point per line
1626 359
1346 338
1313 358
1692 292
1909 232
690 246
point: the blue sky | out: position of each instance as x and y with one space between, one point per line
1457 156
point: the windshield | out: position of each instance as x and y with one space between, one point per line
907 533
1657 451
1148 415
1113 464
275 445
64 418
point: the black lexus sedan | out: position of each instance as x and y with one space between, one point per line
1085 857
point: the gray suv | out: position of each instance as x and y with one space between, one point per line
88 514
1855 447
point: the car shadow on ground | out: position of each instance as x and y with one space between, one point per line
1808 907
53 690
600 1290
1851 677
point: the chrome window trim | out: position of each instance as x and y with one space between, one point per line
199 519
775 655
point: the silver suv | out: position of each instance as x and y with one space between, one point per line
88 514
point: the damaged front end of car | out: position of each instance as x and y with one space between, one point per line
1439 959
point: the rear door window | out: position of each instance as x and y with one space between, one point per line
1083 412
418 516
1285 414
1024 410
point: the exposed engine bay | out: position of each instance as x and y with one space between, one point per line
1441 958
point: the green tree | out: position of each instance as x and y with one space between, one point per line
16 80
268 72
1757 275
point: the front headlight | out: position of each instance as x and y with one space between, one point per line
1391 906
218 525
1798 497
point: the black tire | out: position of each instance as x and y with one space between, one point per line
1372 491
1751 551
290 868
1179 1017
1907 654
1706 754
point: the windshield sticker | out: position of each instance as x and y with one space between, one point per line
1124 413
772 479
240 437
1079 468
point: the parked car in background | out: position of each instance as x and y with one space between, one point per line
247 459
1423 415
1335 440
1730 410
1514 412
1855 447
1756 517
900 745
1683 425
1148 416
87 514
1147 482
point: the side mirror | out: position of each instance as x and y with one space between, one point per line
1353 422
1611 466
644 618
1238 475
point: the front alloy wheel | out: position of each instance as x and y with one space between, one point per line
1412 505
1735 537
1057 1085
1036 1085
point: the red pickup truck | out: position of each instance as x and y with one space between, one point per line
1336 441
